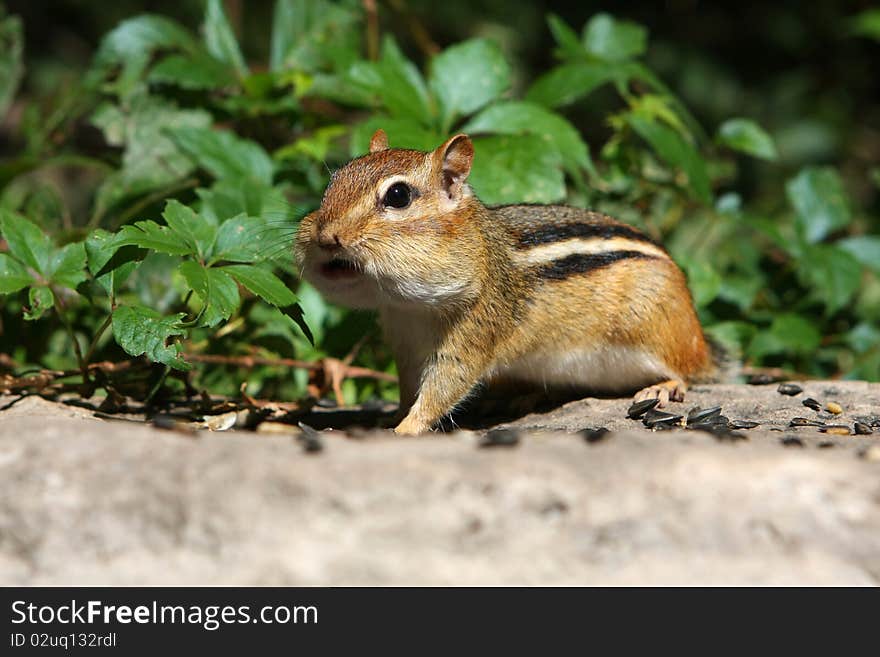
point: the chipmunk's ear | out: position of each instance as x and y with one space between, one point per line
453 159
379 141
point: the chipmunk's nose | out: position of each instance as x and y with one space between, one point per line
328 240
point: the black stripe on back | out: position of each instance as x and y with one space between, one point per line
559 232
581 263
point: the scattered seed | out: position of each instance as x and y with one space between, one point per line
825 444
698 415
789 389
500 438
870 420
594 435
638 409
310 439
759 379
836 429
834 407
792 441
742 424
804 422
809 402
862 429
654 417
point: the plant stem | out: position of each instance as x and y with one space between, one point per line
59 308
97 337
157 385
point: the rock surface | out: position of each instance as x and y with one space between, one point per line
89 501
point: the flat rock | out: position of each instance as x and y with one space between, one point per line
90 501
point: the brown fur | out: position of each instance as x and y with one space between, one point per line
458 298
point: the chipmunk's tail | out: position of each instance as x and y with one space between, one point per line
726 363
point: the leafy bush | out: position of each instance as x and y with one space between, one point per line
158 197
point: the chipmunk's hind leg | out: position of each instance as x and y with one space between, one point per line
665 391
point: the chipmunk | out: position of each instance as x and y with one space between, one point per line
470 294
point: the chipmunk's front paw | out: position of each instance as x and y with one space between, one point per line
666 391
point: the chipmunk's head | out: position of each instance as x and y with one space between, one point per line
395 226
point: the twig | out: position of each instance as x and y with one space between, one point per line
351 371
372 12
420 35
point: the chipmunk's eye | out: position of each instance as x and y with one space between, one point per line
399 195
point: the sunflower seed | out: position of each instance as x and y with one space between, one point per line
834 407
639 408
698 415
862 429
789 389
791 441
809 402
804 422
742 424
655 417
310 439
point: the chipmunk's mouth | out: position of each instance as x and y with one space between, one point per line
340 268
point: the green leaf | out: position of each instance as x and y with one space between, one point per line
864 248
402 133
467 76
516 169
27 242
68 266
40 299
863 337
143 331
224 154
314 35
132 44
216 290
271 289
831 274
703 281
565 37
198 72
818 197
867 24
746 136
196 231
789 333
110 264
517 118
567 83
612 39
151 159
11 61
245 239
396 82
220 39
13 276
670 146
230 198
150 235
